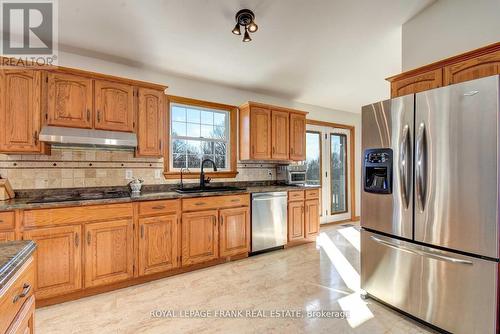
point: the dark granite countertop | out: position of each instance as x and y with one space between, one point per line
13 254
149 193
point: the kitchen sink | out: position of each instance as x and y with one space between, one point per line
190 190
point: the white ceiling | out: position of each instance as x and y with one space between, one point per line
329 53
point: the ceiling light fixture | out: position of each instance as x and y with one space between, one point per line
245 18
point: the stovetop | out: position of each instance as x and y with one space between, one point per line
81 196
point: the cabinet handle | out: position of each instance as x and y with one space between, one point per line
1 221
214 220
77 240
142 231
253 150
24 293
221 220
88 238
291 150
160 144
199 203
274 150
88 115
98 116
35 137
235 200
158 207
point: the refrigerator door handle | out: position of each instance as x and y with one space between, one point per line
421 168
421 252
404 165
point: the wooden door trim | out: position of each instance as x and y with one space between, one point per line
352 142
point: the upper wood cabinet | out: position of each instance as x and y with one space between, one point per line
234 231
6 236
20 111
58 260
297 137
271 133
158 244
280 138
471 65
471 69
114 106
70 100
150 111
260 133
417 83
200 237
108 252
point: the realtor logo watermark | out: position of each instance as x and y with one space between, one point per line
29 32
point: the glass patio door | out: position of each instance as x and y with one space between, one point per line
328 162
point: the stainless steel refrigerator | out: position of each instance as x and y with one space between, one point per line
430 205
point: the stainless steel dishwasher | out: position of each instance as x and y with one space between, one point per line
269 221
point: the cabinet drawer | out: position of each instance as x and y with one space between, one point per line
215 202
312 193
15 293
6 220
296 195
159 207
75 215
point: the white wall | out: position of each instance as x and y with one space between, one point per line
448 28
217 93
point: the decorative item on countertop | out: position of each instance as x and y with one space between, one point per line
6 191
136 185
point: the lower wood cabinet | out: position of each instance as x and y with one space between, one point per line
108 252
57 260
234 231
312 218
200 237
24 323
296 221
158 244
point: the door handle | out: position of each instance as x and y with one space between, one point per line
35 137
88 115
88 238
421 172
142 231
98 116
24 293
421 252
405 165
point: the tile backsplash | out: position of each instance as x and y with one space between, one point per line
86 167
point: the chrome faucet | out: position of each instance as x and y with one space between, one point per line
204 181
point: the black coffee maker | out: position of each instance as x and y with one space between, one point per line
377 171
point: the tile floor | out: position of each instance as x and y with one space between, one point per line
321 276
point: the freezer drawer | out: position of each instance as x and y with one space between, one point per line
454 292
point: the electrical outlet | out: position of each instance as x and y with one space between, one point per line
129 174
270 173
158 174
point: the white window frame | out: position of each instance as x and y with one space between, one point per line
227 140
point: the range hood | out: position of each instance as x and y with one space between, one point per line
87 137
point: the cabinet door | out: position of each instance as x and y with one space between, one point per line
280 137
471 69
69 101
150 119
234 231
417 83
200 237
20 111
24 321
260 133
114 103
6 236
58 260
158 244
295 221
109 255
297 137
312 218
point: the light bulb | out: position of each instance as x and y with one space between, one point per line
236 29
252 27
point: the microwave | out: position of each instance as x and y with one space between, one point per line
295 174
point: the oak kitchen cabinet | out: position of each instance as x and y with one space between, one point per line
151 108
271 133
108 252
20 111
471 65
58 264
70 100
159 232
7 226
234 231
114 104
200 237
303 215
